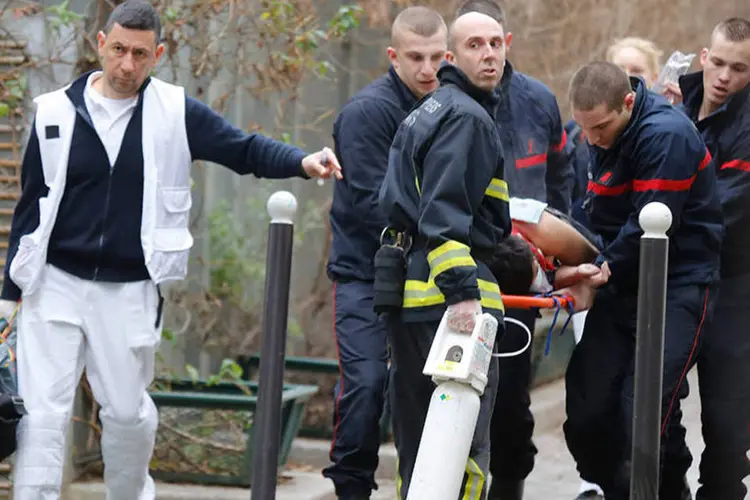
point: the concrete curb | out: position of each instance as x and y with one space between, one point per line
547 406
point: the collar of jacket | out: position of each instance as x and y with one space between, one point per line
503 88
691 86
449 74
405 96
78 87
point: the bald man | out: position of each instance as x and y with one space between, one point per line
363 133
444 190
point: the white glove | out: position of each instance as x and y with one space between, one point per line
462 316
6 308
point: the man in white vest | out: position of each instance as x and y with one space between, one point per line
102 221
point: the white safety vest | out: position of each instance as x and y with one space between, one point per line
165 235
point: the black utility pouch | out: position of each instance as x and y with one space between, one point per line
390 273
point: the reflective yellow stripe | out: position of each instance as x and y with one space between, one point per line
424 294
491 295
498 188
398 481
474 481
449 255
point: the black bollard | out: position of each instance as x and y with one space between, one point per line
655 219
267 422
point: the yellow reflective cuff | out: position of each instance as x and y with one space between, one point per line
498 188
422 294
449 255
492 298
426 293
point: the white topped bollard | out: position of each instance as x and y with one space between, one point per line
655 219
282 207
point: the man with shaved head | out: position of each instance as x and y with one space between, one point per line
717 100
363 133
530 127
444 193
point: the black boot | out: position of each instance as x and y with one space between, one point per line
589 495
505 490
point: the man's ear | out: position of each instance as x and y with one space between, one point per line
450 57
159 52
392 55
704 57
629 101
508 40
101 38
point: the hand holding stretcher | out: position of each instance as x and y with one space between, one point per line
558 244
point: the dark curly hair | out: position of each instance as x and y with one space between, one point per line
512 263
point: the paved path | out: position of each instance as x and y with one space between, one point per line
553 478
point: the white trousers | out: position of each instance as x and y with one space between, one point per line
110 329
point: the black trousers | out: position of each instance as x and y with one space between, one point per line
359 395
724 382
599 387
512 426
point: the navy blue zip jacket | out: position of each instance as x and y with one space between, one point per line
97 233
658 157
726 132
579 162
362 134
536 151
444 186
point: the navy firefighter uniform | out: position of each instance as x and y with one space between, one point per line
723 367
363 132
537 167
659 156
444 187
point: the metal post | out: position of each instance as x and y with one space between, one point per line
655 219
281 206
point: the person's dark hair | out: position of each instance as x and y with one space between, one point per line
487 7
420 20
599 82
512 264
135 15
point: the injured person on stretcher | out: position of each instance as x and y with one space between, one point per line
547 252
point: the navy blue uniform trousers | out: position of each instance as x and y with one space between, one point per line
359 395
599 387
724 382
512 426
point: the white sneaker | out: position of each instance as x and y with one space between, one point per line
589 491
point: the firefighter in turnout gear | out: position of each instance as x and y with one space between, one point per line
444 193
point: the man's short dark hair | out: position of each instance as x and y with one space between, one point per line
599 82
135 15
512 264
487 7
420 20
734 29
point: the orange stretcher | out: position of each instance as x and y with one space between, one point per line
530 301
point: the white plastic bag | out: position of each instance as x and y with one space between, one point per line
677 65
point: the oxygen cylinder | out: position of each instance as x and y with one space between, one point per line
446 440
458 362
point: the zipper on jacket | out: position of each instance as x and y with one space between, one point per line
84 114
